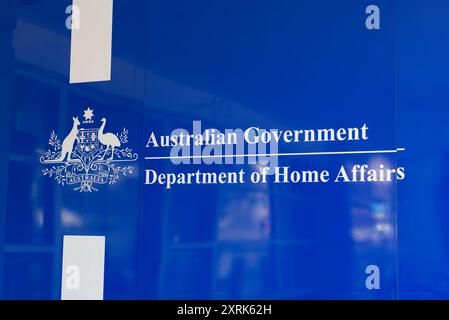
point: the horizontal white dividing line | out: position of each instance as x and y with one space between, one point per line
91 48
292 154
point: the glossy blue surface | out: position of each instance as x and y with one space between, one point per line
233 64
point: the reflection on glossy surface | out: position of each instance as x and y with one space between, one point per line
230 64
250 241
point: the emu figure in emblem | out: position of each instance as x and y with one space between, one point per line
110 140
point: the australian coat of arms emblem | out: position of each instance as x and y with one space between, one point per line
88 156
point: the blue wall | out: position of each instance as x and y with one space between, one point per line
233 64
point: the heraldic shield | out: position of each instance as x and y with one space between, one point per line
87 142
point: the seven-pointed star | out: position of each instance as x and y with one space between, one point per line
88 114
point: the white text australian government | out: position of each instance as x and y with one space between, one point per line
254 135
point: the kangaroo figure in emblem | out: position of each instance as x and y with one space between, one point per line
69 141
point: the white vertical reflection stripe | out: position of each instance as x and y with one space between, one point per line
91 48
83 268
